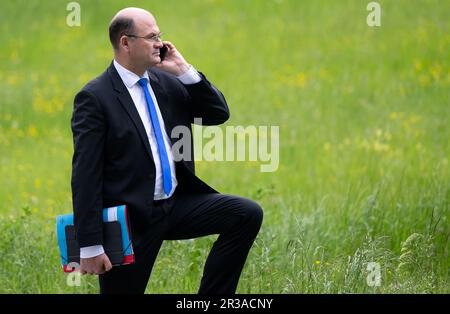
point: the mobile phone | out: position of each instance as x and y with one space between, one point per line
163 52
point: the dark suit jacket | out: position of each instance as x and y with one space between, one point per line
112 162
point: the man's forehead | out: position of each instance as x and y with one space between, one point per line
146 26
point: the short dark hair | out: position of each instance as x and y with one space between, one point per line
119 27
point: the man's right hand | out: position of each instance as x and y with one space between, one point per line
95 265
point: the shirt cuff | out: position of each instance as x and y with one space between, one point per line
91 251
191 76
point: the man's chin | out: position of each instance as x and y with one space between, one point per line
154 61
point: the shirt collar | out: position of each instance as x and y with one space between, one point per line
129 78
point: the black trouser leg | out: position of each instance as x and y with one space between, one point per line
133 278
237 220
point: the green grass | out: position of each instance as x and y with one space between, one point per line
364 150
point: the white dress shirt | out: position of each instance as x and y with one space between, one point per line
130 80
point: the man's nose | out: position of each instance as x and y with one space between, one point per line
158 44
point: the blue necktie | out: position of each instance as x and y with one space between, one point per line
167 178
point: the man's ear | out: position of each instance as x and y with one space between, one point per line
124 43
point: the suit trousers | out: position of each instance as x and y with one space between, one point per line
235 219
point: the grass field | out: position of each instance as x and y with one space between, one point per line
364 138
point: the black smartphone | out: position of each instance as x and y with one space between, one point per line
163 52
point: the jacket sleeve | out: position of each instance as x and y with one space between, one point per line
88 127
207 102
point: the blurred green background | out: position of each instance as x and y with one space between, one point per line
364 138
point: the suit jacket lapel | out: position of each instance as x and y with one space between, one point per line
125 100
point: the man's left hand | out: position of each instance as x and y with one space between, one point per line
173 62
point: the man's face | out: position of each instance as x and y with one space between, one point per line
144 52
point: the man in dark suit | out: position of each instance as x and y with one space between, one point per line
121 123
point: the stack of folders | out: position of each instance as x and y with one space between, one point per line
116 238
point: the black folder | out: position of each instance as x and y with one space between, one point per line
112 237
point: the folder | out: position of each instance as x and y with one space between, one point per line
116 238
